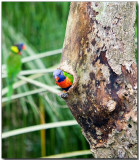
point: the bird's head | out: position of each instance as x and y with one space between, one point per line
17 48
58 75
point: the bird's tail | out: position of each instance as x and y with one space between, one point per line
9 94
10 82
10 91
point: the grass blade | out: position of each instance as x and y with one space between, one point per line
70 154
5 99
41 55
39 84
38 127
28 72
20 83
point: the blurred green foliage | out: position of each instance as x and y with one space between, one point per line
42 25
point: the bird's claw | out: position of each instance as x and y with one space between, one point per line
64 95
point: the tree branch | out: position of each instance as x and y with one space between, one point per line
98 51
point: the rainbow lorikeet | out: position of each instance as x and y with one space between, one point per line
63 79
14 65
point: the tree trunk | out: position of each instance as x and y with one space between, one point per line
99 52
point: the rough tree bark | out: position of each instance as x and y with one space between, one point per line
99 52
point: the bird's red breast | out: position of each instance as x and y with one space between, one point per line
64 84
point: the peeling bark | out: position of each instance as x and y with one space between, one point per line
99 52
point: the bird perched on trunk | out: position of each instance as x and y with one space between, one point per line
14 65
63 80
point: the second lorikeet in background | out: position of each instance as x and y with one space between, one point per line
14 65
63 79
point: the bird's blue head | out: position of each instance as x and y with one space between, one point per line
58 75
17 48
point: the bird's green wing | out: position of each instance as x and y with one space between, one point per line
68 75
13 68
13 65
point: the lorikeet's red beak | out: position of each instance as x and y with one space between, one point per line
24 47
56 78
